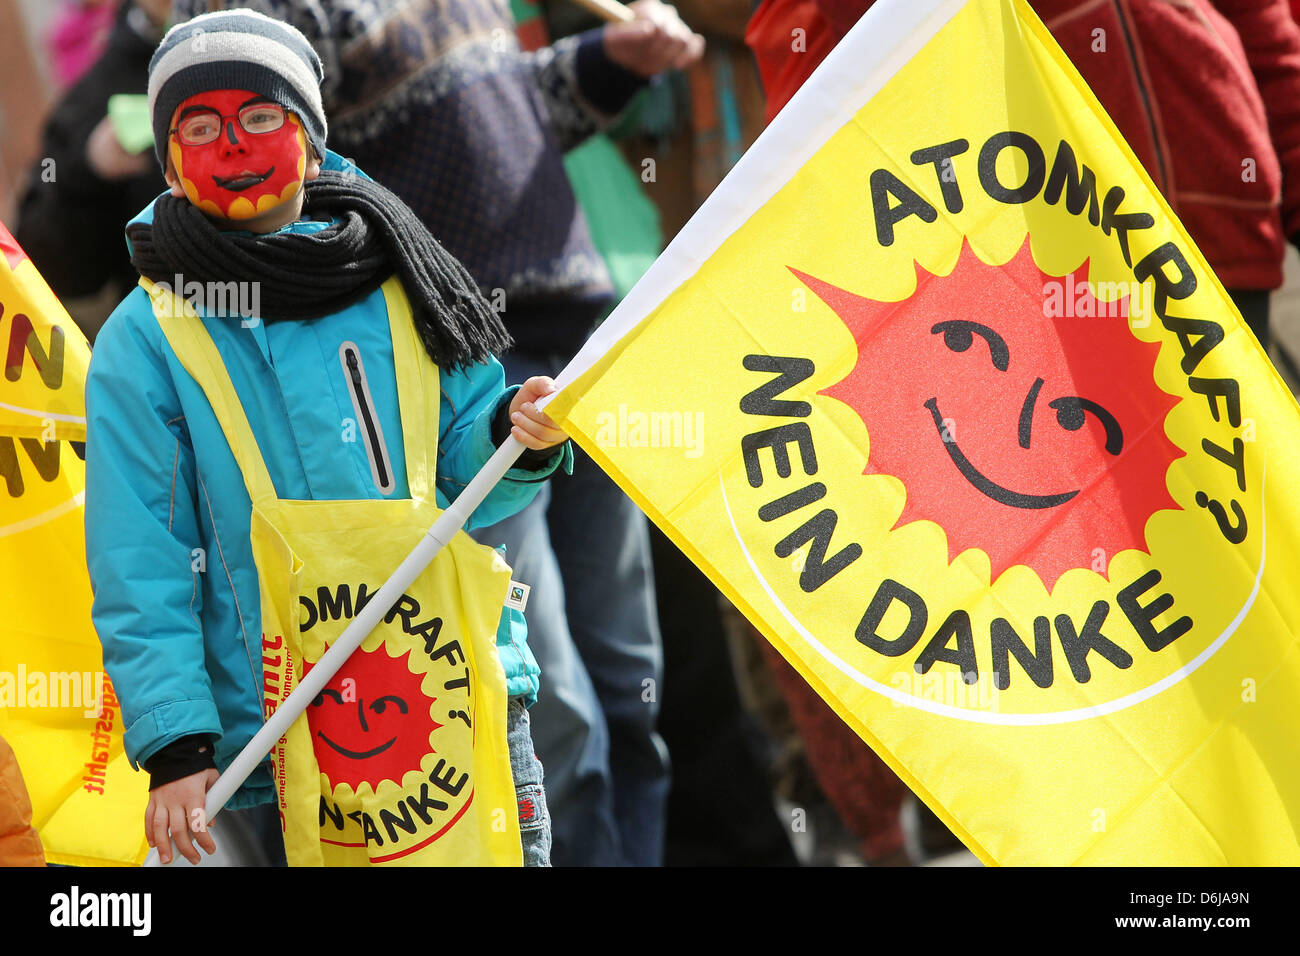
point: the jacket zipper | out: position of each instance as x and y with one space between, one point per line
1129 44
376 452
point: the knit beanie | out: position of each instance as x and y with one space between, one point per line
236 50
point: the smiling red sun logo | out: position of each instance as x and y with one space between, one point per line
1037 440
372 721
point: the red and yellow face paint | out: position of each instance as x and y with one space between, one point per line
239 174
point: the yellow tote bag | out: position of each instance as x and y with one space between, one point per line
402 758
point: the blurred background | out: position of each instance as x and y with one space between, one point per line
762 771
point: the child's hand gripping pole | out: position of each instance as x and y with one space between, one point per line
609 10
421 556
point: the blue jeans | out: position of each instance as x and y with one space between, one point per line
534 821
592 624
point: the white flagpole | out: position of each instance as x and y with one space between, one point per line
421 556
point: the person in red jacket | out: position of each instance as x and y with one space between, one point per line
1207 93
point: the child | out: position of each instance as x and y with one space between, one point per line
259 211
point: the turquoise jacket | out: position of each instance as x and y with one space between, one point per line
181 626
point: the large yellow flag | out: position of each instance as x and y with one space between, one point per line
57 709
941 394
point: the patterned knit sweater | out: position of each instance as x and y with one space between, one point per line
436 100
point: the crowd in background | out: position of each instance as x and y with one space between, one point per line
730 758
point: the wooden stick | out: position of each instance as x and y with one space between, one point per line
610 11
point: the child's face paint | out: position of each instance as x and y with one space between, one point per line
239 175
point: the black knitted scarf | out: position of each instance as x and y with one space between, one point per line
373 235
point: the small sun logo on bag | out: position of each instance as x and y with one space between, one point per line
372 721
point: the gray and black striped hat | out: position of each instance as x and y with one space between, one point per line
236 50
